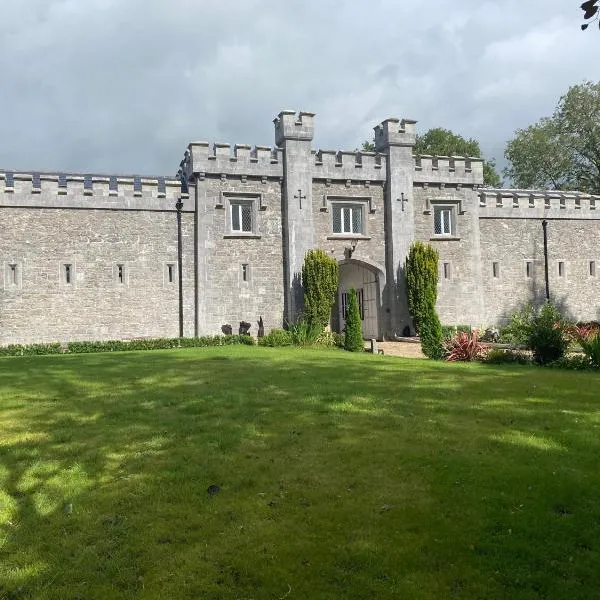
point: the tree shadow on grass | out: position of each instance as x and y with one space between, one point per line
106 461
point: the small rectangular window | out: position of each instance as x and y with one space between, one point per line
561 269
68 272
446 270
13 274
529 269
244 272
170 273
348 218
442 221
563 203
121 273
592 268
241 217
546 203
496 270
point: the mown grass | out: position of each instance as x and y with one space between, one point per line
341 476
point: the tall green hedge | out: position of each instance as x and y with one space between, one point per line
353 341
320 279
421 270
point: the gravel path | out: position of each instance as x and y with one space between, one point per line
405 349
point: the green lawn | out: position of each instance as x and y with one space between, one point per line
342 476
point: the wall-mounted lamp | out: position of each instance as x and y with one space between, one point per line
349 251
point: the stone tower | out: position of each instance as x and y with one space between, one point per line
294 134
396 139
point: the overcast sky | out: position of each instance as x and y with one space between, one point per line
124 85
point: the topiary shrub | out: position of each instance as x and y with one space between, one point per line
353 341
320 279
546 337
421 271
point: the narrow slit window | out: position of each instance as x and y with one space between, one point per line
170 273
120 274
244 272
592 268
13 274
561 269
446 270
496 270
68 270
529 269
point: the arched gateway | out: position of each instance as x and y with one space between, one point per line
369 281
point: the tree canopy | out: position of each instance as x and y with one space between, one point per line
590 13
561 151
443 142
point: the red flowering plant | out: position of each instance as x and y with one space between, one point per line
465 347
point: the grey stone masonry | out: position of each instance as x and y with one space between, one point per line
95 256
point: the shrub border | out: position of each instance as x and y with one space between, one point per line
125 345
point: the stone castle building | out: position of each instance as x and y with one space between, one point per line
94 257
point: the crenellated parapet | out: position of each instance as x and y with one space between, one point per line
448 169
349 165
63 190
537 204
203 159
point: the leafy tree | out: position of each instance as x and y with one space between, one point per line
421 271
353 341
443 142
368 146
320 278
562 151
590 9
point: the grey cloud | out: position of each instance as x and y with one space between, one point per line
124 85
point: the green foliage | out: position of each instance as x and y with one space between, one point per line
591 348
353 341
31 349
305 332
276 338
518 330
432 341
421 271
124 345
449 331
546 336
443 142
320 279
561 151
498 356
573 362
421 281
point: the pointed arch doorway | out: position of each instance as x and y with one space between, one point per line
368 280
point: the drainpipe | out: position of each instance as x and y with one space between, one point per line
545 227
178 207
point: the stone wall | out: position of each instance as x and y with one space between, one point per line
513 242
42 232
224 296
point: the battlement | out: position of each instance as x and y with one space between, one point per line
292 126
202 159
448 169
538 204
349 165
395 132
87 191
